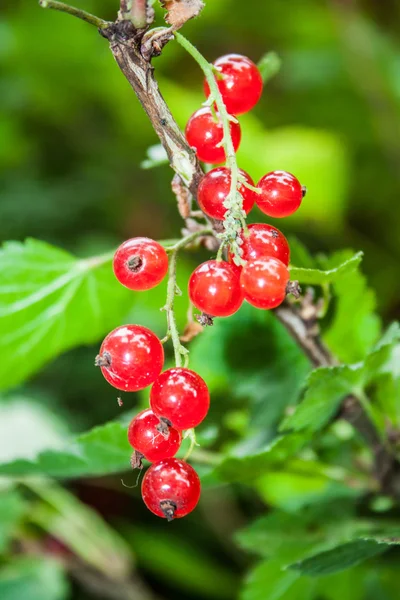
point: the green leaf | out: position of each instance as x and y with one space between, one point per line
340 558
101 451
355 327
326 388
156 156
253 465
269 65
49 302
12 508
269 581
33 579
320 277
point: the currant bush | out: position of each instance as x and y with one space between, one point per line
256 270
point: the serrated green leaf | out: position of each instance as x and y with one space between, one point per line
328 386
101 451
33 579
355 327
320 277
269 581
340 558
251 466
49 302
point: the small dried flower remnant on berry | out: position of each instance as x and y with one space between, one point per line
131 358
140 264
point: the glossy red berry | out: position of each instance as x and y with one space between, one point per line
214 189
281 194
145 437
181 397
214 288
264 282
264 240
140 264
241 85
204 134
171 488
131 358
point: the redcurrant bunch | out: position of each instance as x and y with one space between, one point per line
256 270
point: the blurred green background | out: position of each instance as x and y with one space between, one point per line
72 139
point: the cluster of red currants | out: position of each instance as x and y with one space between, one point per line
131 358
218 288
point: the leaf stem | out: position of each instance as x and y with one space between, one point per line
75 12
235 217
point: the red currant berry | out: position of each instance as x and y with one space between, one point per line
214 288
171 489
264 282
241 85
281 194
204 134
181 397
131 358
214 189
140 264
145 437
264 240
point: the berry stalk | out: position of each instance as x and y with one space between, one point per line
75 12
235 218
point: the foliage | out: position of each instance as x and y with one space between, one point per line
291 507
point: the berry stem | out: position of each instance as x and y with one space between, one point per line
172 331
75 12
235 218
192 237
191 434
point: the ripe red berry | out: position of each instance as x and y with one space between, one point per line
181 396
131 358
215 187
264 282
241 85
263 240
140 263
145 437
171 489
204 134
214 288
281 194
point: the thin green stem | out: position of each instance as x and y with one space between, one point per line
235 218
173 332
192 237
75 12
190 433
